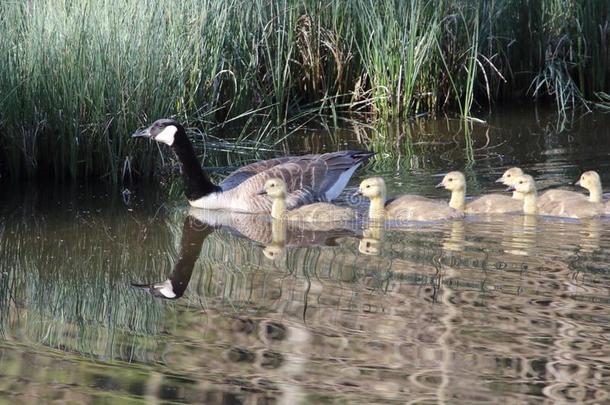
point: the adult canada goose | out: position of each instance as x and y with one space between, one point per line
569 208
309 178
588 180
404 208
316 212
487 204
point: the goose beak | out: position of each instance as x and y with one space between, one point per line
439 185
263 192
577 183
141 133
500 180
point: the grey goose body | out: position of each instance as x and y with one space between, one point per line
309 178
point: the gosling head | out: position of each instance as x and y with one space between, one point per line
453 181
589 180
373 187
524 184
272 252
510 175
165 130
275 188
369 246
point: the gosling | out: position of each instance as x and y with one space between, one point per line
317 212
569 208
403 208
588 180
487 204
508 178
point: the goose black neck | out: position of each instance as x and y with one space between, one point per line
197 184
194 233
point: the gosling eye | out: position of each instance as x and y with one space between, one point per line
368 186
520 182
450 179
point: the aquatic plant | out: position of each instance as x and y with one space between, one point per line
78 77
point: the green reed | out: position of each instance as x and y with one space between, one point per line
78 77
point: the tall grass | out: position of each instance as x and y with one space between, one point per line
78 77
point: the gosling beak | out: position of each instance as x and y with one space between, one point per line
500 180
439 185
357 193
577 183
263 192
510 188
141 133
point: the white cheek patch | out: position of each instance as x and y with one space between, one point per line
166 288
167 135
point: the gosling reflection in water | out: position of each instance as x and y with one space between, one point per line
523 235
372 237
590 235
454 241
530 233
277 248
275 236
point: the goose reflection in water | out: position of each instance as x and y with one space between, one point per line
274 235
194 232
371 242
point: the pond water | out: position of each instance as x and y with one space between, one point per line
483 310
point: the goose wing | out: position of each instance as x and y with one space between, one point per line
308 179
245 172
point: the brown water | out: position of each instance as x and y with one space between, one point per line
481 310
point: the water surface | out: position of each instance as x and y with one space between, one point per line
481 310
